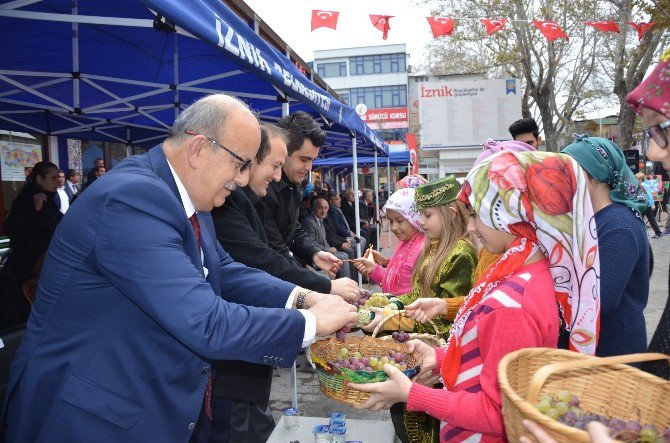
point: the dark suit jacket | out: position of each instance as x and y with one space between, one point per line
124 326
69 193
339 222
240 231
332 237
350 214
281 221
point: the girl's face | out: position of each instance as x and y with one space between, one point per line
494 241
431 223
400 226
656 152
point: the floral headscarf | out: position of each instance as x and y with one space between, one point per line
411 181
605 162
654 91
402 201
493 147
542 199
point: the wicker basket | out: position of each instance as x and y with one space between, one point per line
429 339
605 386
335 384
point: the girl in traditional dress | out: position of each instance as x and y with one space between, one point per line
535 210
394 275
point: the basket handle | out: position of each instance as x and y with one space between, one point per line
542 374
398 314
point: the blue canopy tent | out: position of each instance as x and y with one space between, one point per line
121 71
396 158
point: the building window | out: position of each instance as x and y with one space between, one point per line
377 64
344 97
380 96
335 69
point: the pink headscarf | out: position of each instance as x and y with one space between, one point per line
492 147
654 91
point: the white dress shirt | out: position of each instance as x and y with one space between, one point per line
310 319
64 199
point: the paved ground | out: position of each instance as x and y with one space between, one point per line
313 403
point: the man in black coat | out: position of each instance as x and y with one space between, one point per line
368 231
241 390
285 235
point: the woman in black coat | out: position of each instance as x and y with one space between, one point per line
32 221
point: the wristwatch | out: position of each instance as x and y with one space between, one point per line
300 300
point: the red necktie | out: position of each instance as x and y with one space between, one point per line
195 223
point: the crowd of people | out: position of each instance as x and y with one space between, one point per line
164 291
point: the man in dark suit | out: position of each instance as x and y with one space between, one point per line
244 414
128 313
72 184
92 176
313 225
283 230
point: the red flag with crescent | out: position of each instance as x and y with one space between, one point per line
604 26
381 22
550 30
324 19
441 25
493 25
641 28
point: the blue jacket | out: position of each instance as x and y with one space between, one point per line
124 326
339 221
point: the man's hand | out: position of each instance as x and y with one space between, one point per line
425 309
379 258
386 394
364 266
332 314
327 262
345 288
428 360
39 200
346 244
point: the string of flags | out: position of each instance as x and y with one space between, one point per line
441 26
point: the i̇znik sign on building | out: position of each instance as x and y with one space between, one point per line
387 118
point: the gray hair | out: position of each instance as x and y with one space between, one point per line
206 116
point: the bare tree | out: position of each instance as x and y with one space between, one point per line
558 77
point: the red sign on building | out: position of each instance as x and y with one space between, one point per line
387 118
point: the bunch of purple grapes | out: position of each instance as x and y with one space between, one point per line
339 335
564 407
400 336
356 362
365 296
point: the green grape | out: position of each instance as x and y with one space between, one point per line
374 361
648 434
384 360
357 355
548 398
344 352
543 405
552 413
564 396
561 407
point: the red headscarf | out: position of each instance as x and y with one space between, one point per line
654 91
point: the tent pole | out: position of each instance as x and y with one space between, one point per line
356 202
377 199
175 69
388 192
75 57
294 371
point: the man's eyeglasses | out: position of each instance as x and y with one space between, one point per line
657 132
245 164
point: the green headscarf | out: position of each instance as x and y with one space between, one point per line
605 162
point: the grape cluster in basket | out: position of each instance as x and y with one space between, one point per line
356 362
369 299
400 336
564 407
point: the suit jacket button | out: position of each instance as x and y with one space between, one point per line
191 426
205 370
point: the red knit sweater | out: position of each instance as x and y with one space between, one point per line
520 313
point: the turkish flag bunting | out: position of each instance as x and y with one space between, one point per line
604 26
493 25
324 19
550 30
381 22
641 28
441 25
